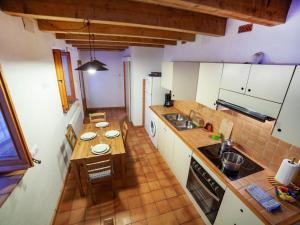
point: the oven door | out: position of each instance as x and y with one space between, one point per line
208 197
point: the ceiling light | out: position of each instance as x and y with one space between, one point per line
93 65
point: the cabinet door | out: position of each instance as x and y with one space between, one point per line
235 77
209 83
181 161
269 82
287 125
167 75
166 143
234 211
185 80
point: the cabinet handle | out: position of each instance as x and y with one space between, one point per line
279 130
242 88
215 103
241 210
249 90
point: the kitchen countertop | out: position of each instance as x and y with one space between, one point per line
195 138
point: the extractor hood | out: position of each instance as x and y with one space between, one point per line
248 112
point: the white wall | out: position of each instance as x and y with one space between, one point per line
143 61
28 68
105 88
279 43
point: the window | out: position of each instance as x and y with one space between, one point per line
65 80
14 154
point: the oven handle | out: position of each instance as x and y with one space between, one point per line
200 183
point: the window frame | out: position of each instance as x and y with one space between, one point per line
10 117
65 99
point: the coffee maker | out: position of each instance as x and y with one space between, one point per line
168 100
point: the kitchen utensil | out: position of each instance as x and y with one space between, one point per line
226 146
286 171
102 124
88 136
285 194
232 161
112 133
226 128
216 136
196 118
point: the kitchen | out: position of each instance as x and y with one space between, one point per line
222 71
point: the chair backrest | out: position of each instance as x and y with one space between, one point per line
71 137
97 164
124 130
97 117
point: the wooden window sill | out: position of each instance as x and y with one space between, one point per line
7 184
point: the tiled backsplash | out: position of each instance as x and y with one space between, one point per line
254 137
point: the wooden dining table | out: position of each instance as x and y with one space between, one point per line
82 150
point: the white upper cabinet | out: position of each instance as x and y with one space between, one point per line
235 77
209 83
287 124
181 79
167 75
269 82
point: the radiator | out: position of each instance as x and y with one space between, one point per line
76 120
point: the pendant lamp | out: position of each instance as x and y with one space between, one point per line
93 65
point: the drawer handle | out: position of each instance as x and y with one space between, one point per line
242 88
241 210
279 130
249 90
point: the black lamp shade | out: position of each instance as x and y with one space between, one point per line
93 64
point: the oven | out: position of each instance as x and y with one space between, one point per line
207 193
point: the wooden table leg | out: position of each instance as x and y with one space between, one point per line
123 165
76 166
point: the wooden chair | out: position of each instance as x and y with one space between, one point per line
97 117
98 171
124 131
71 137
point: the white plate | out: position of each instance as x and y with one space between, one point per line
100 148
102 124
88 136
112 133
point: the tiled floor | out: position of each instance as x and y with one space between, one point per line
151 195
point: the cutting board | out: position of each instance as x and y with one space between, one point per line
226 128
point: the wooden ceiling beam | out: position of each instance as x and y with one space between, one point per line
113 30
118 12
270 13
106 43
101 49
109 38
100 46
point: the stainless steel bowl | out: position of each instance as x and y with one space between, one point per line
232 161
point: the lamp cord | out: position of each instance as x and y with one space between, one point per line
90 44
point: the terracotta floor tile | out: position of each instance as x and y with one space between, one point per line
92 222
177 202
92 212
143 188
107 220
137 214
123 218
170 192
163 206
151 177
121 205
198 221
165 183
77 215
154 185
158 195
183 215
134 202
165 219
147 198
150 210
161 175
62 218
144 222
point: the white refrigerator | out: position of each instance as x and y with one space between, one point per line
154 95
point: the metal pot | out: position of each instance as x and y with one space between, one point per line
232 161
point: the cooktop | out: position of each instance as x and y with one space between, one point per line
247 168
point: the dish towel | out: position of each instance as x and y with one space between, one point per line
263 198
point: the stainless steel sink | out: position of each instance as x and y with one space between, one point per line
180 121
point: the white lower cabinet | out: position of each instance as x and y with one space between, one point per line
181 160
166 142
234 212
